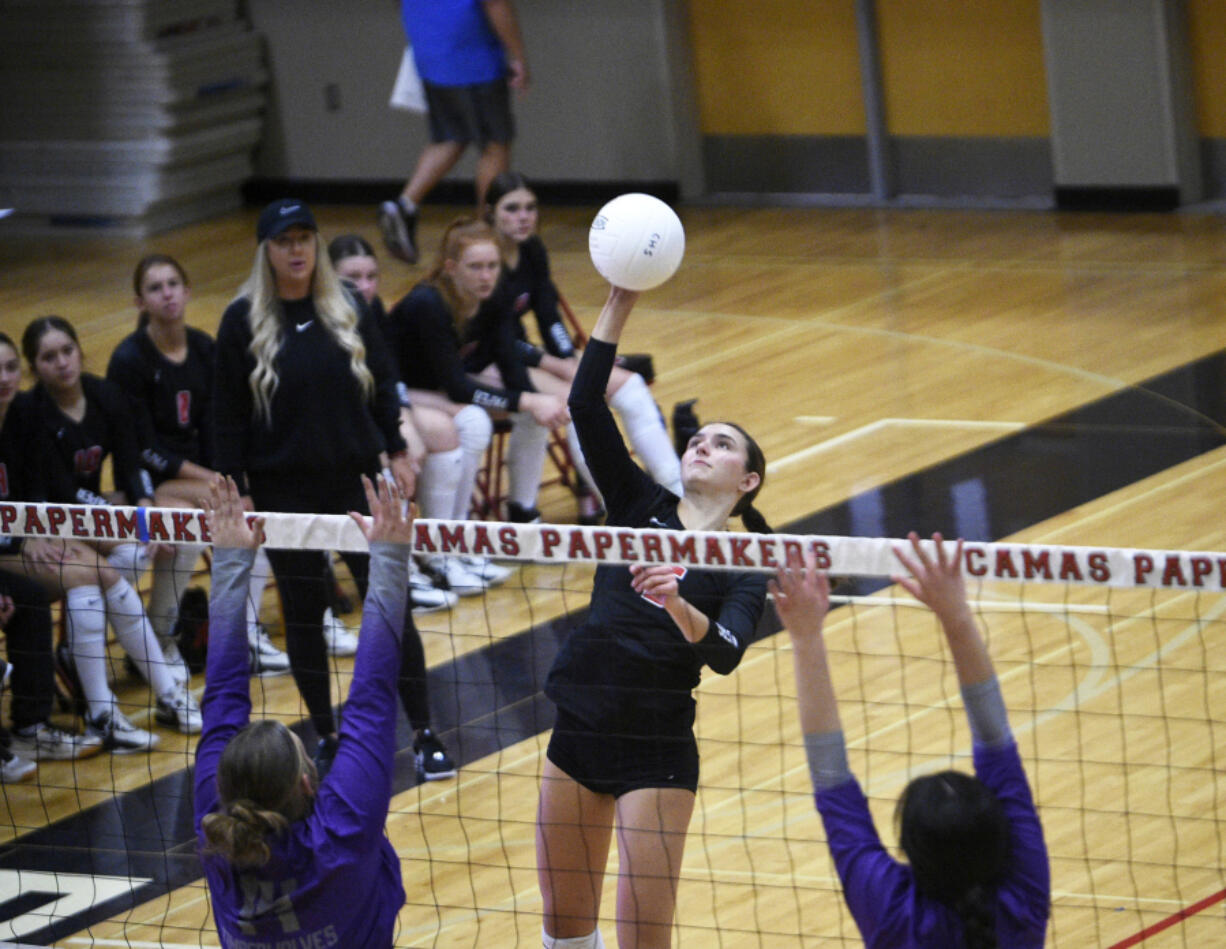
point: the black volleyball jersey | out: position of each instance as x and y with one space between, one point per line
171 402
428 352
530 287
320 421
628 667
78 449
23 460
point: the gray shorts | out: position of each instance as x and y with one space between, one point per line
479 113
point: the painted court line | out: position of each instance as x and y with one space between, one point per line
881 424
1171 920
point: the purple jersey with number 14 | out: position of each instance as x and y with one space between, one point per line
333 878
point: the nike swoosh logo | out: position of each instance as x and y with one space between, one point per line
301 326
290 210
656 522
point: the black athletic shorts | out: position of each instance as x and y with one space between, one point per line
617 764
478 113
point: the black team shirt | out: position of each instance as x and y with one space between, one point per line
628 669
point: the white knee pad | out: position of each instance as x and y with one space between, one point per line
130 560
474 428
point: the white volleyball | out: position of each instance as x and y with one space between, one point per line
636 242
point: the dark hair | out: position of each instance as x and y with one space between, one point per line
955 834
259 788
143 266
755 461
349 245
500 187
39 328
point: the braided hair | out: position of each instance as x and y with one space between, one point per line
955 834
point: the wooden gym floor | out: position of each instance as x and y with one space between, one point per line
972 372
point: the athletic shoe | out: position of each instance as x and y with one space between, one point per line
14 769
433 762
487 570
456 576
425 596
178 709
266 659
118 735
325 754
399 230
43 742
339 637
518 514
175 661
590 511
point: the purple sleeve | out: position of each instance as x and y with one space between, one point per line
226 707
353 799
875 885
1025 894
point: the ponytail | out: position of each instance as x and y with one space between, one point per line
240 833
754 522
976 908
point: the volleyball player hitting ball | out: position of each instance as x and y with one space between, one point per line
977 874
291 859
623 749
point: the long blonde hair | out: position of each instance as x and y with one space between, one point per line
333 307
461 234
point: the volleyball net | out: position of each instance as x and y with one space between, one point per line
1112 662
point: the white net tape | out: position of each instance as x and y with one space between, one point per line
1119 567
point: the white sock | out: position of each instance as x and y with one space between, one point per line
526 459
130 560
576 456
646 432
260 571
591 941
171 576
127 616
473 426
87 643
438 483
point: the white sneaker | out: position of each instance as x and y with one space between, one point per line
119 735
487 570
456 575
43 742
266 659
14 769
175 662
339 637
425 596
178 709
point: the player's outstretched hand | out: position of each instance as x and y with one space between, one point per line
391 517
802 597
936 581
227 524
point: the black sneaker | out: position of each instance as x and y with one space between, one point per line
325 754
399 230
433 762
685 425
518 514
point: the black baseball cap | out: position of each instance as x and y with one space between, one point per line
281 215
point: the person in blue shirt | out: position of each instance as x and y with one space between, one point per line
977 874
290 859
469 54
